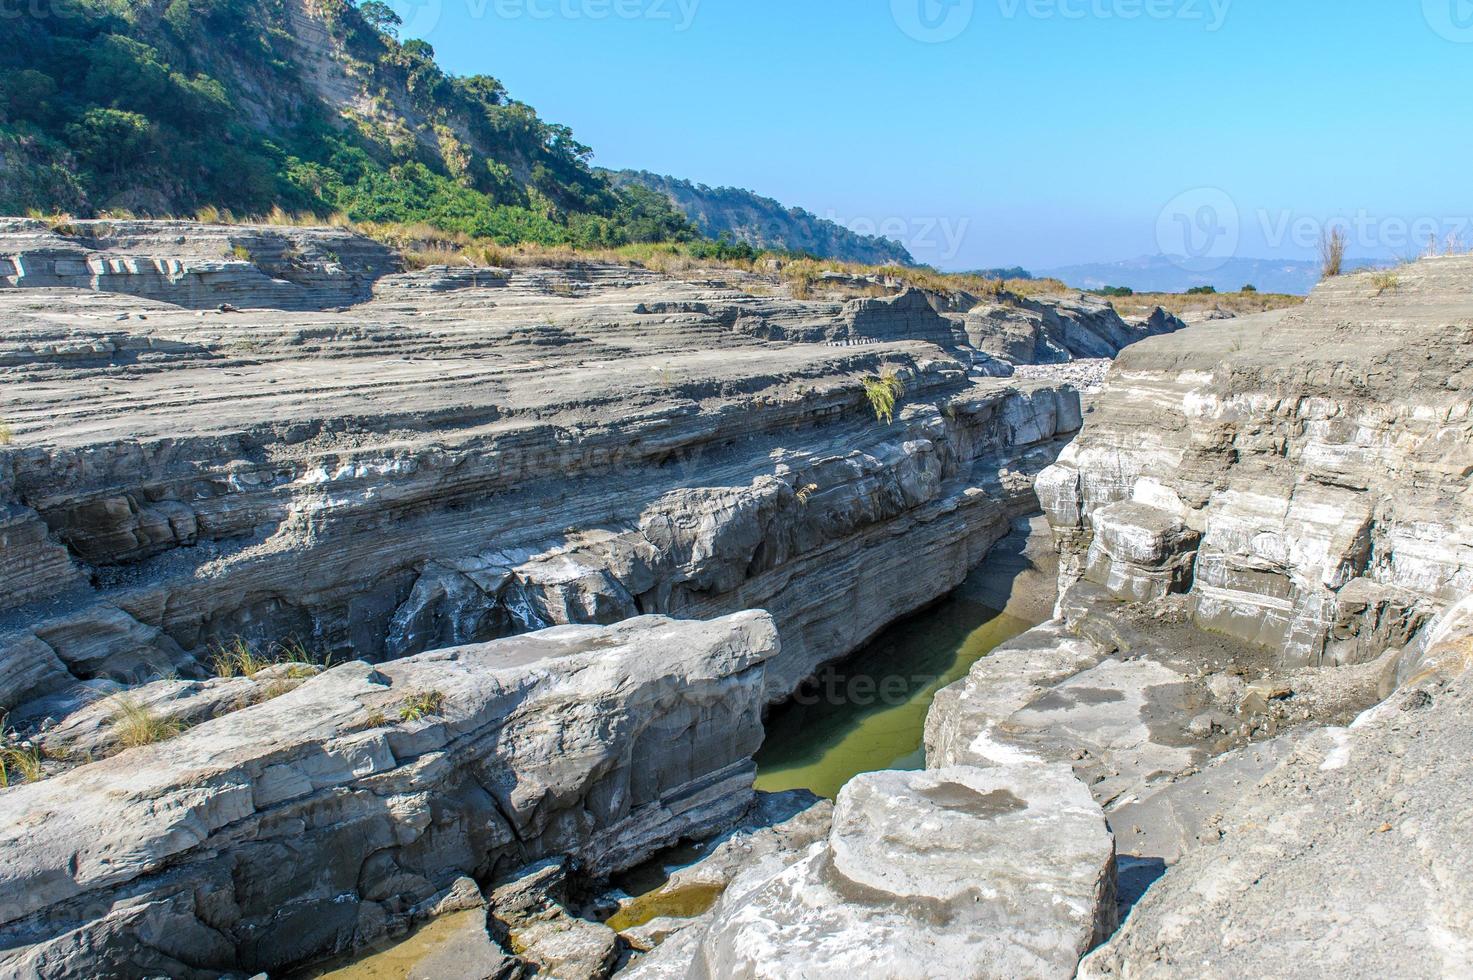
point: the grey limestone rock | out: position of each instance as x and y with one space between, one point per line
320 820
1003 872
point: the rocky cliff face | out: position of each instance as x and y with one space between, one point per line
1264 529
201 483
337 814
183 263
473 454
1302 477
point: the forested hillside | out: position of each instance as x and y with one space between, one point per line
166 107
764 223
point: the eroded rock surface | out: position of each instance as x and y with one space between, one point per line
1264 528
1303 476
1349 859
318 821
476 453
952 872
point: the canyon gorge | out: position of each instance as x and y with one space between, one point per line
351 609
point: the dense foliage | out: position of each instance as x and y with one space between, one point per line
168 106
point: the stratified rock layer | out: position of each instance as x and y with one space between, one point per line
1349 859
315 823
1303 476
476 453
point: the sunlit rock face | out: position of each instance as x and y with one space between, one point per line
1303 476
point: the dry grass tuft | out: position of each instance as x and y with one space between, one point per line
19 758
137 725
5 434
238 658
1386 281
1332 252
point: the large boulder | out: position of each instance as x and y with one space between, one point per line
314 823
1006 872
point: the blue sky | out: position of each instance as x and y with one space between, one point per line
1035 132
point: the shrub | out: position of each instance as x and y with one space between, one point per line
1202 291
1332 252
1248 288
420 705
883 393
1385 281
136 724
1117 291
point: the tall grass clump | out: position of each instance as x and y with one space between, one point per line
238 659
420 705
5 434
19 758
883 392
137 725
1332 252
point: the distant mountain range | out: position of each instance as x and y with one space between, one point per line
764 223
1166 274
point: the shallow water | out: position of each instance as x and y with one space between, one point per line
397 961
869 712
865 714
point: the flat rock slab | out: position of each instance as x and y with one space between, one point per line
1004 872
1350 860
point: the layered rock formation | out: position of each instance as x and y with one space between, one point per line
192 265
471 455
1263 529
1302 476
1365 870
474 454
953 872
323 819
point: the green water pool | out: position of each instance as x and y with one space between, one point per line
869 712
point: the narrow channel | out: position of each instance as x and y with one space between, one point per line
869 712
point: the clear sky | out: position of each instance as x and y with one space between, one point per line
1033 132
